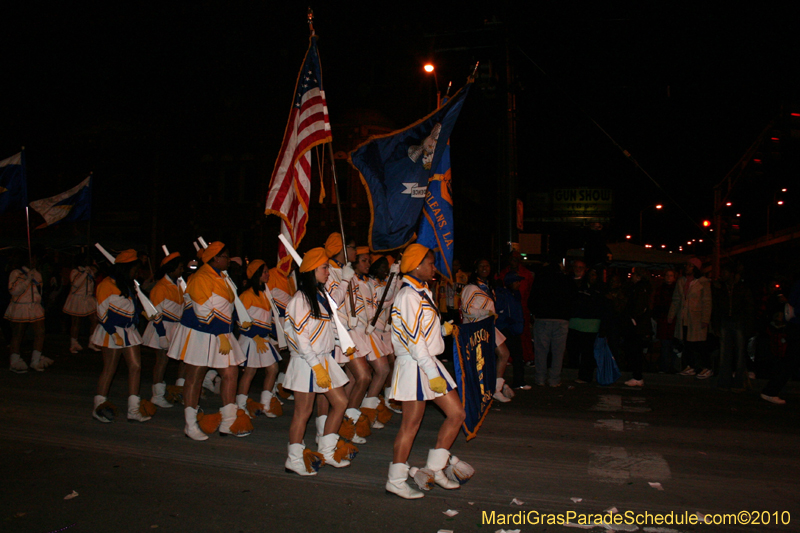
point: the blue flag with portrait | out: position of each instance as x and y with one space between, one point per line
476 371
396 169
13 187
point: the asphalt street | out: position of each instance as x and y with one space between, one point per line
578 449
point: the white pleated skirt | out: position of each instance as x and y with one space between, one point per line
409 383
202 349
130 337
26 312
300 377
255 359
381 344
80 305
150 336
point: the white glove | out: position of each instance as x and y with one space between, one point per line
163 343
395 268
347 272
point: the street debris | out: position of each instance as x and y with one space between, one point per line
655 485
451 513
516 502
73 494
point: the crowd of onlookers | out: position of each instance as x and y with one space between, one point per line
680 320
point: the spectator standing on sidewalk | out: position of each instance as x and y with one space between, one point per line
787 365
639 329
515 265
691 312
584 324
665 331
733 316
511 322
550 303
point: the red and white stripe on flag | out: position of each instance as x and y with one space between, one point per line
290 185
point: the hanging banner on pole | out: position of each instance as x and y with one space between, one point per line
476 371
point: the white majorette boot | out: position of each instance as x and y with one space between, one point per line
104 415
229 425
320 422
40 362
295 463
241 402
354 414
498 391
437 460
211 381
266 401
159 389
74 347
17 364
369 408
192 429
398 484
327 445
134 415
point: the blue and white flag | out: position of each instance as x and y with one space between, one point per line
74 204
436 226
396 169
476 371
13 188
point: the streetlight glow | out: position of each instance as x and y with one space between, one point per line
659 206
627 236
780 202
428 68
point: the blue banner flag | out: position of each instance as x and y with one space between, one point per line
13 188
74 204
396 169
436 226
476 371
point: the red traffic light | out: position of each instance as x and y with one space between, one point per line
706 223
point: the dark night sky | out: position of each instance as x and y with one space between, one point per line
686 90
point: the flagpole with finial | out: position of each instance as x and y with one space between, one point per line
27 218
335 179
89 225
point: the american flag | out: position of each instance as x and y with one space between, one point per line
308 126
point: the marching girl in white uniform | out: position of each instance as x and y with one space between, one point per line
282 288
381 337
204 340
167 297
477 303
418 375
312 369
25 286
117 336
81 302
355 425
257 342
366 297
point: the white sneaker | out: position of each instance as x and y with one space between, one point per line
40 364
507 392
95 348
18 365
705 374
500 397
74 347
688 371
634 383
